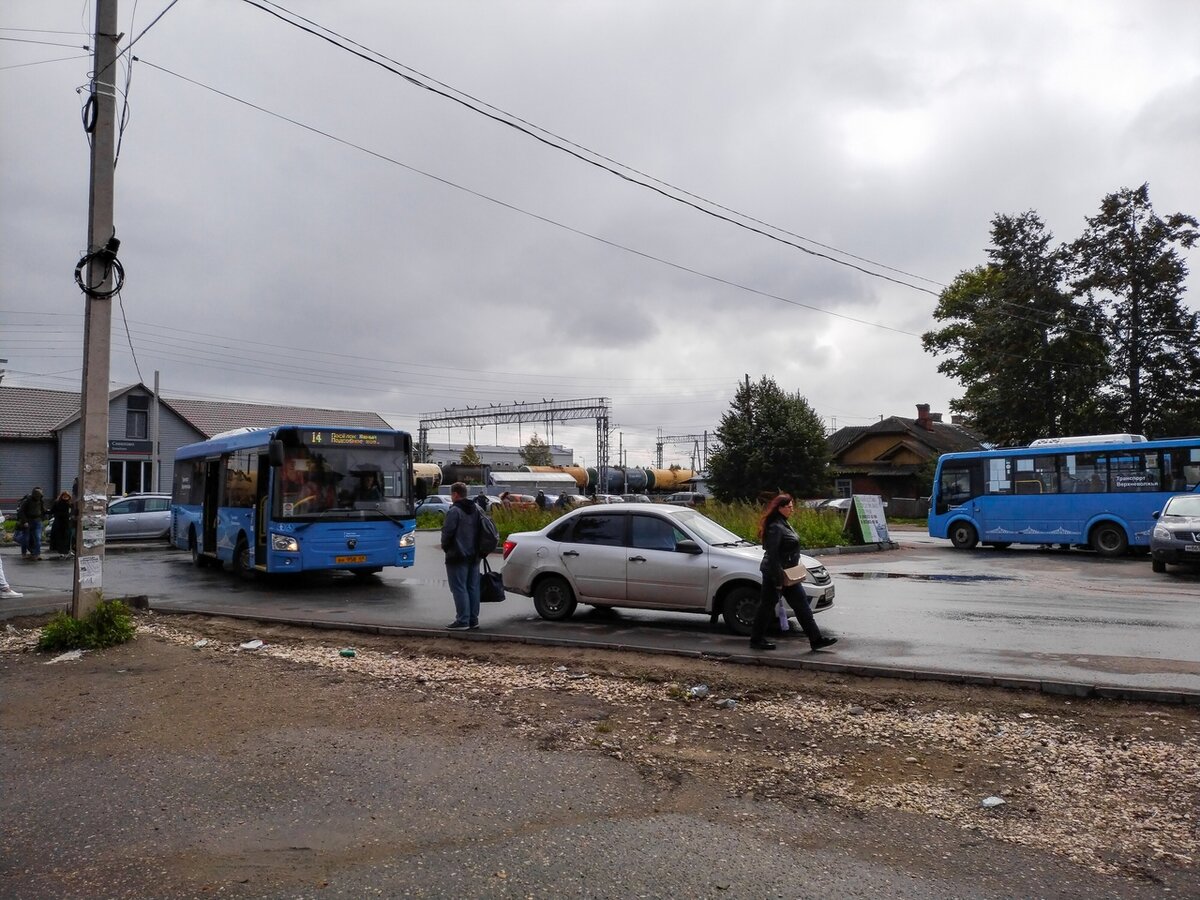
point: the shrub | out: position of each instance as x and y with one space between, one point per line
110 623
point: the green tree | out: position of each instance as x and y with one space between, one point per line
769 440
536 452
1128 262
470 456
1030 359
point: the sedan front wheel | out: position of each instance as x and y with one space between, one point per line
740 608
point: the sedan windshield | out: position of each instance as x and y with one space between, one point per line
706 529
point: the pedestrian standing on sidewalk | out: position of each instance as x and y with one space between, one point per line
782 551
6 591
33 511
460 543
60 528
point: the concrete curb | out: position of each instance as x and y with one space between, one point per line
826 664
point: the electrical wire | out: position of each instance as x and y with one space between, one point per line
129 337
46 43
517 125
614 244
42 62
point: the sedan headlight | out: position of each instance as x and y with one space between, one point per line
408 540
1162 532
284 542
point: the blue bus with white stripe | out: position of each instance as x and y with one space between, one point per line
1100 492
296 498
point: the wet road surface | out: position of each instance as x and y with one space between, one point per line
1069 618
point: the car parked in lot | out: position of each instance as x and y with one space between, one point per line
1176 535
138 517
635 498
645 556
437 504
687 498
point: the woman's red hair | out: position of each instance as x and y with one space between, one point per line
772 508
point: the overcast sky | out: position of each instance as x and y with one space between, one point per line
449 260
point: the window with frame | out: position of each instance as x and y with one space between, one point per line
1034 475
1135 472
1181 468
653 533
241 479
605 530
1085 473
137 417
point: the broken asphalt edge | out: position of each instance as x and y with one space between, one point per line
1083 690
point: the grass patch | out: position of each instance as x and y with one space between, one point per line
110 623
816 528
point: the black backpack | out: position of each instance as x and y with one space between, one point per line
488 536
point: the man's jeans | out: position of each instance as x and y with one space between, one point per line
33 543
464 586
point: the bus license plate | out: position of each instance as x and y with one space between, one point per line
349 559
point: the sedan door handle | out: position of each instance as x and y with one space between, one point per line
637 559
570 553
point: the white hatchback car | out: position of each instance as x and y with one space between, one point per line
645 556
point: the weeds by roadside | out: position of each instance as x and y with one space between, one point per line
109 624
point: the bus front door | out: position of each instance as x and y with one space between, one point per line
212 506
262 511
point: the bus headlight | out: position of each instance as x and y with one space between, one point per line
408 540
284 542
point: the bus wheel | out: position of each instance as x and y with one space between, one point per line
963 535
199 560
553 599
241 560
1108 539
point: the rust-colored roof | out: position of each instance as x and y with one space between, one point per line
211 418
944 438
34 412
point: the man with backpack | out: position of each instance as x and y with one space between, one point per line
31 512
461 544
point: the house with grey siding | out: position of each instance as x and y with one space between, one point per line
40 435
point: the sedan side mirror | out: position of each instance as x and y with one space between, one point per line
688 546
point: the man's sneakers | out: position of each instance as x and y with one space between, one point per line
459 626
824 642
10 594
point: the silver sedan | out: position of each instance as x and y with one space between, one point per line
647 556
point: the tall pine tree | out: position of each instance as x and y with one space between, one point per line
1030 359
1128 262
769 440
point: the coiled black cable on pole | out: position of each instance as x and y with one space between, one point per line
107 257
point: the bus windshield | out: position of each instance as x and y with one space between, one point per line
330 480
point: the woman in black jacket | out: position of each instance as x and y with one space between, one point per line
782 546
60 531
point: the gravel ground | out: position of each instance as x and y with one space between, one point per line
278 771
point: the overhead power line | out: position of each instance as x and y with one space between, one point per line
571 148
618 246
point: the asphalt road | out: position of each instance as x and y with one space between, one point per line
1062 621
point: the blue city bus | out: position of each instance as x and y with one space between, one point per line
1099 492
296 498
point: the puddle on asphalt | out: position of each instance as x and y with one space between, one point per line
916 577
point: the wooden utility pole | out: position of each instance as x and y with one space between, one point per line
92 502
